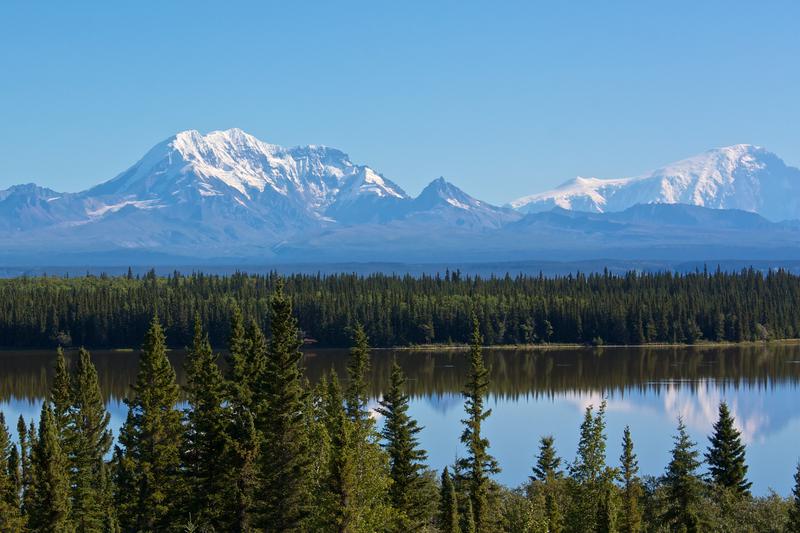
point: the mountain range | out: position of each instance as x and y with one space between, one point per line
227 196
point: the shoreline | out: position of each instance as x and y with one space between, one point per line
466 347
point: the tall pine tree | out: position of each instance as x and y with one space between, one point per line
49 508
548 463
10 514
682 484
631 514
205 452
148 458
793 525
242 438
726 454
61 398
284 495
449 521
91 441
408 493
478 465
589 473
26 440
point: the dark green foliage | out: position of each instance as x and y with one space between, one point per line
49 507
630 512
26 440
449 520
148 459
10 514
606 521
242 440
478 465
357 368
590 477
284 497
260 450
793 526
652 307
548 463
61 397
239 380
91 439
407 493
206 456
726 454
467 514
683 485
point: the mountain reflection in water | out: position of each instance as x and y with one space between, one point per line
535 393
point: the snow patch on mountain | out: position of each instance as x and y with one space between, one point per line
742 177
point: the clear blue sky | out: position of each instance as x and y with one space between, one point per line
503 98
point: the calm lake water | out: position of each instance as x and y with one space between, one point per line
535 393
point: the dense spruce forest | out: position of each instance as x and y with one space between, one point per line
114 312
258 448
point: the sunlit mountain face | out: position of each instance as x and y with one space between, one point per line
536 393
226 197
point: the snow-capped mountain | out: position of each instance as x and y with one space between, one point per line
285 187
441 200
742 177
226 192
227 196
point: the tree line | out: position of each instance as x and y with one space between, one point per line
258 448
635 308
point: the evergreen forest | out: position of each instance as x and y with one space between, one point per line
256 447
631 309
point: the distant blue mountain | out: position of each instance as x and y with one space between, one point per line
227 197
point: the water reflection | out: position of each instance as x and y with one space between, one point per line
534 393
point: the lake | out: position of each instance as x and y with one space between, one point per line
535 393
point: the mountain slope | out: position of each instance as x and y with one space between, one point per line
227 192
742 177
228 197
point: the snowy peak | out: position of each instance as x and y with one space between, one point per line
449 202
741 176
441 192
236 172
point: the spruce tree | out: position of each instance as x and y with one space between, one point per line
148 456
606 521
407 492
284 494
244 443
91 441
589 472
242 438
369 503
26 440
467 515
338 516
449 520
61 396
357 369
726 454
631 514
10 514
15 475
683 486
237 372
548 463
205 452
547 478
49 509
793 525
478 465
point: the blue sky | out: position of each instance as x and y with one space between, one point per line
503 98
